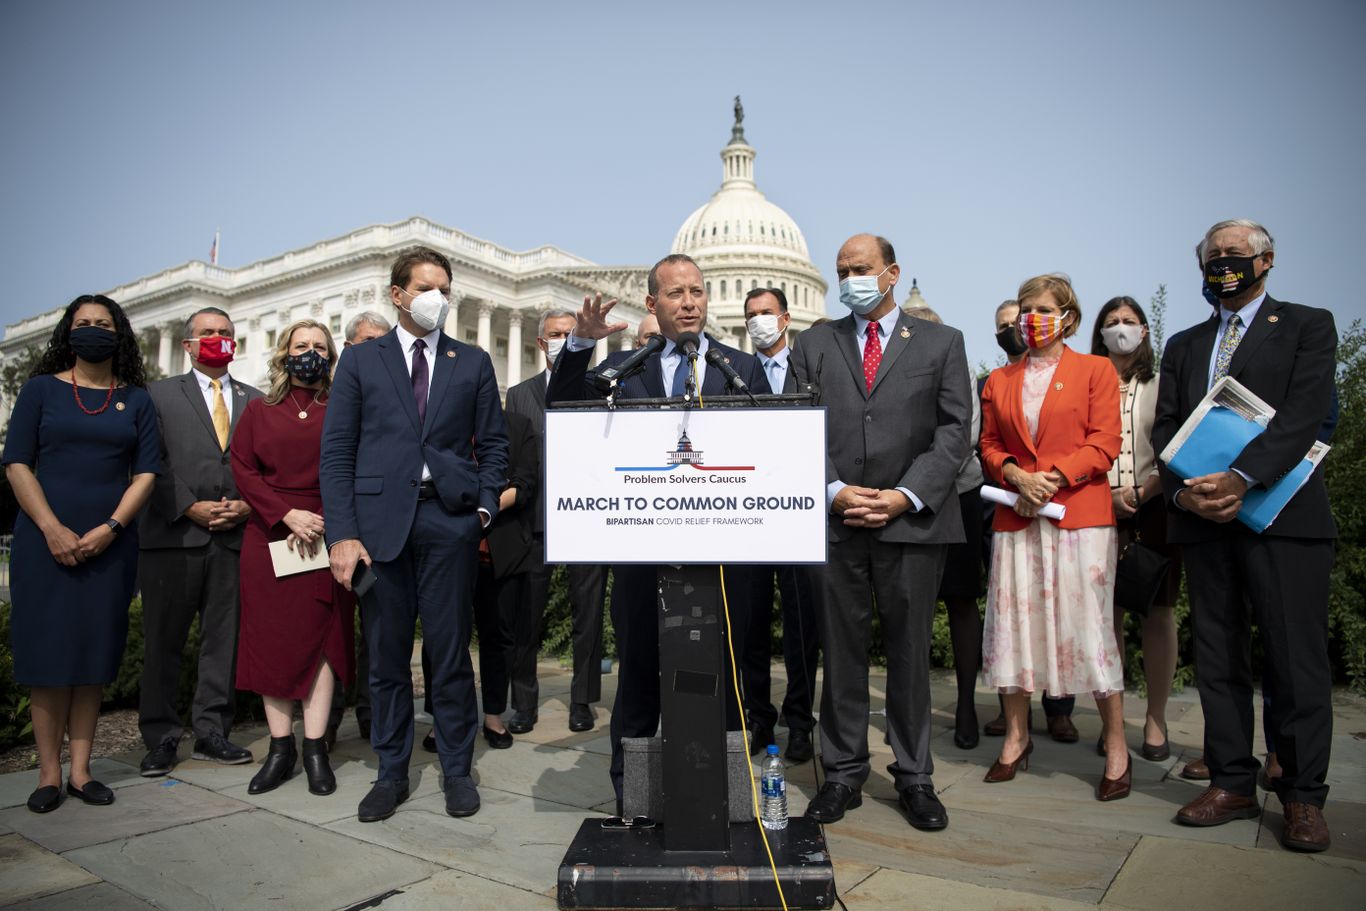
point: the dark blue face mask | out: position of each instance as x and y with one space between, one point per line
93 344
308 367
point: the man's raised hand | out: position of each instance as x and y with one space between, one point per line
593 318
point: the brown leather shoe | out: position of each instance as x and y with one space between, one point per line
1115 788
1061 729
1216 806
1305 828
1005 771
1196 770
996 727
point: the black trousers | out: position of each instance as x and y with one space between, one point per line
492 599
1282 585
902 582
801 646
635 619
177 585
587 596
432 578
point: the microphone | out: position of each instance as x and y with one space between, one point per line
605 378
688 343
718 360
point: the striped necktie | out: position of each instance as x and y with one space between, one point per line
1227 345
220 414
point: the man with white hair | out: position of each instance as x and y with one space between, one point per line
587 583
364 326
1286 354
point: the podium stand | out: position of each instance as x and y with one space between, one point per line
694 857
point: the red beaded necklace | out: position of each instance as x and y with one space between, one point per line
75 393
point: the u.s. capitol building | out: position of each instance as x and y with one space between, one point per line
739 238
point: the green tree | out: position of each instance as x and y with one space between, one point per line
1345 473
1157 320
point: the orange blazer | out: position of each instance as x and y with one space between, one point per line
1079 435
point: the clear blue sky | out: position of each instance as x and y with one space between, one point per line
990 141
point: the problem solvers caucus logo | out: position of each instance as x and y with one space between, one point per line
684 455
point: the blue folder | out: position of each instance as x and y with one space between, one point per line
1212 447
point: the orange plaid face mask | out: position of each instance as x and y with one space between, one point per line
1039 330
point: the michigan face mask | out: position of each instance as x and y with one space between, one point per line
1229 276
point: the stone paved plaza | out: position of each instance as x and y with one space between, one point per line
197 840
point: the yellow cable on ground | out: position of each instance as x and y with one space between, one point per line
740 704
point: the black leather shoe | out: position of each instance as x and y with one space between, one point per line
277 768
580 717
521 722
217 748
161 760
799 746
330 738
832 801
498 740
965 735
94 793
45 799
759 740
462 797
429 742
363 726
923 808
317 768
382 800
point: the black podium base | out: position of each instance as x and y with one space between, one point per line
629 868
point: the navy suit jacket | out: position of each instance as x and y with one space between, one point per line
1287 357
373 445
571 383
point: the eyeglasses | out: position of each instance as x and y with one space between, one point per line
635 822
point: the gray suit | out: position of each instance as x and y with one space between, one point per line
911 431
184 569
587 592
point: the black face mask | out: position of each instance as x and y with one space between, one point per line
1229 276
1010 342
93 344
308 367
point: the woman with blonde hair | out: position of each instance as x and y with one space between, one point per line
1050 432
296 630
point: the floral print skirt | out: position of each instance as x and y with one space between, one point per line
1050 603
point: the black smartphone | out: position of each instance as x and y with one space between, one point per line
362 579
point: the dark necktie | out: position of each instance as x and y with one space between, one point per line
420 379
682 374
872 354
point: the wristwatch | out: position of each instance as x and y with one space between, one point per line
115 526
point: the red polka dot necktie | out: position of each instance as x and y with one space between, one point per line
872 354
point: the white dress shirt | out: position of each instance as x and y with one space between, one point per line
226 383
775 368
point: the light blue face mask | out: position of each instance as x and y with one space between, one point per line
860 292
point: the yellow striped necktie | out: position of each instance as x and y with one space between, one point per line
220 414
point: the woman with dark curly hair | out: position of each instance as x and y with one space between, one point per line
82 453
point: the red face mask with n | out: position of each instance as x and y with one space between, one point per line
216 351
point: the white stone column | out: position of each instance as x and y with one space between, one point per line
452 326
746 343
599 351
164 351
514 373
626 339
486 326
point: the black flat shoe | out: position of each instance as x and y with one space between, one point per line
382 800
93 793
965 735
521 722
832 801
924 811
318 768
498 740
429 742
278 766
45 799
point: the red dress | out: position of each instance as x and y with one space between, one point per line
290 624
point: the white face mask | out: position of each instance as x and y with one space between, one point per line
1122 338
553 347
429 308
763 330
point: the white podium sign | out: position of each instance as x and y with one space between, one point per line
720 485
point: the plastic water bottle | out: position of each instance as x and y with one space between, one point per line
773 788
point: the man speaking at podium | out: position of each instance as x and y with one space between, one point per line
676 295
898 409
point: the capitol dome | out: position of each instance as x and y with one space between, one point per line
742 241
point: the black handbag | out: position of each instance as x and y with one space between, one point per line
1139 576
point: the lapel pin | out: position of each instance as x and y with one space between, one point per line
450 354
240 393
119 406
1057 386
1273 318
905 333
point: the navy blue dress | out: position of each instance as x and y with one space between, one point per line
68 625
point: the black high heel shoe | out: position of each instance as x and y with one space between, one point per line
498 740
317 767
277 767
965 735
